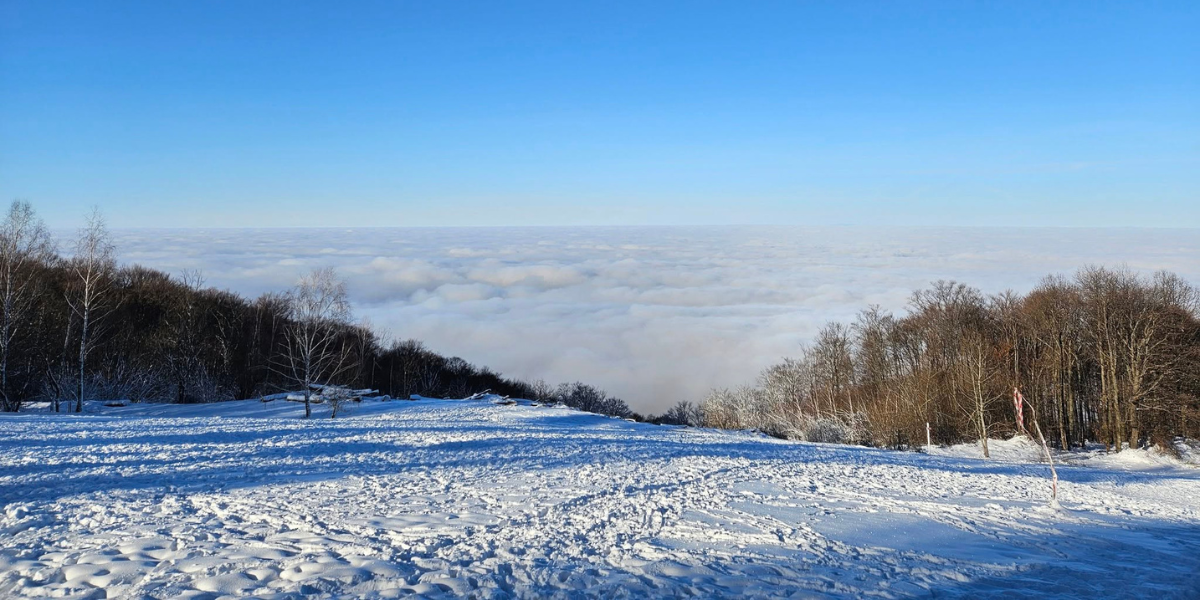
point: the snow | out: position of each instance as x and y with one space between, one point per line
476 498
1021 449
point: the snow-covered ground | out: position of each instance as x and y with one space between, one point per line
469 498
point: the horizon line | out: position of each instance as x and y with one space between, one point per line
632 226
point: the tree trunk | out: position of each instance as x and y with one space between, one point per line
4 366
1063 413
83 340
58 383
983 438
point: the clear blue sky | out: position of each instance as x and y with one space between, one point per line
451 113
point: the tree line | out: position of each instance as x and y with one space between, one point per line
81 327
1107 355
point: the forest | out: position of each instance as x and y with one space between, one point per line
1108 356
82 327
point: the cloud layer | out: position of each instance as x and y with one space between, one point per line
653 315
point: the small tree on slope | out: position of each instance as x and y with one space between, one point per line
315 350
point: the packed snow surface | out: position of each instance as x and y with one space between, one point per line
472 498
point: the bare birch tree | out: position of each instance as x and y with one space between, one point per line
316 351
92 266
976 373
25 245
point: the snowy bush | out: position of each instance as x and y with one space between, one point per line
776 414
827 431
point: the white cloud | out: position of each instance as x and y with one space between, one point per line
651 314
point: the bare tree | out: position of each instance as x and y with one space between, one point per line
1149 343
92 266
25 245
976 373
834 368
336 396
1055 315
591 399
541 391
183 339
315 349
683 413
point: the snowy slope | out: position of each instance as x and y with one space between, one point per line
468 498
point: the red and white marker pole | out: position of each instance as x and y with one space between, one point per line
1019 405
1019 401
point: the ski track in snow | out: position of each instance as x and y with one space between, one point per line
467 498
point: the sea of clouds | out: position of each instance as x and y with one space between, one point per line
653 315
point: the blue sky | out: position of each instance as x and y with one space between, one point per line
454 113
